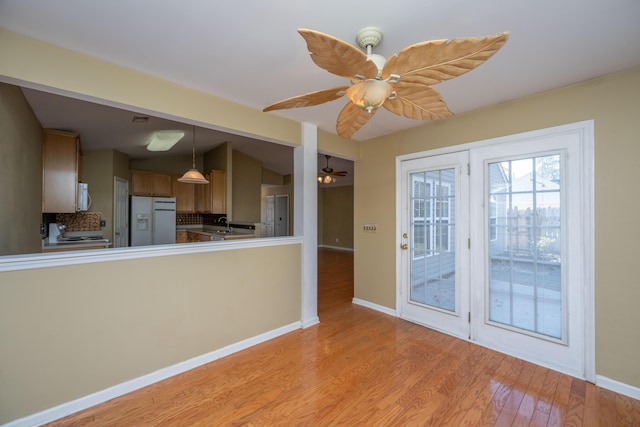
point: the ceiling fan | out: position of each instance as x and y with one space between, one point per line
328 175
401 83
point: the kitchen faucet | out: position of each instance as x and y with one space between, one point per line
226 221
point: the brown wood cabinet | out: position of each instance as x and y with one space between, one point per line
217 192
60 163
185 195
181 236
146 183
210 198
190 198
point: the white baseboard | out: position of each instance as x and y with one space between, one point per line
311 322
336 248
88 401
377 307
618 387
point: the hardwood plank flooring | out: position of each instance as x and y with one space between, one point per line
359 367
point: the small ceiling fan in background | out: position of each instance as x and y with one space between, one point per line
328 175
401 83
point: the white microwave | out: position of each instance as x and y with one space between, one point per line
84 200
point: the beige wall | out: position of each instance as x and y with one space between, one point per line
175 165
20 169
612 102
246 188
335 213
67 332
44 65
120 165
270 177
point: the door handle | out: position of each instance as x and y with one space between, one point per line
404 246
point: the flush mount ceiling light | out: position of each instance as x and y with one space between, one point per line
402 83
193 176
164 140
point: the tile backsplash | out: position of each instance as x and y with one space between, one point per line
188 219
198 219
80 221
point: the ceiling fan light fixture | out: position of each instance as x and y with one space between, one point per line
327 179
369 94
407 77
164 140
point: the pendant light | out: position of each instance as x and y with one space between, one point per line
193 176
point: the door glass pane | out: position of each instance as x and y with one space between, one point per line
432 230
525 256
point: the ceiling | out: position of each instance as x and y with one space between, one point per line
249 52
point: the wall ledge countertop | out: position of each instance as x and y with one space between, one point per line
75 244
217 230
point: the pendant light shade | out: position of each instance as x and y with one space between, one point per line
193 176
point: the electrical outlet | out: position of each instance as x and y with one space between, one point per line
371 228
103 223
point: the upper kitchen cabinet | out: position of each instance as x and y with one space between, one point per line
60 160
210 198
146 183
185 195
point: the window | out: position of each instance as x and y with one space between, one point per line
431 200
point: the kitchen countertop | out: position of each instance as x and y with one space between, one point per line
219 232
75 244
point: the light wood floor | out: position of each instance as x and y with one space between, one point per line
359 367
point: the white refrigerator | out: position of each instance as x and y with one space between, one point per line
153 220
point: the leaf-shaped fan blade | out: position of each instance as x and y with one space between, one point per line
431 62
417 102
309 99
337 56
351 119
389 66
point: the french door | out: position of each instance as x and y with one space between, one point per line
494 245
435 289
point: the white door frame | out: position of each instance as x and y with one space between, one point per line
587 254
121 240
281 205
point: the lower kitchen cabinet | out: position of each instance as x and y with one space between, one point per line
181 236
